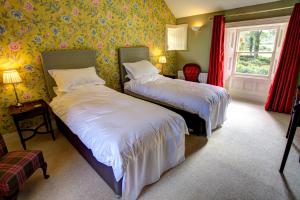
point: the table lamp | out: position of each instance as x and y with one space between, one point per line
162 60
12 77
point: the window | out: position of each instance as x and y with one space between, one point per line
176 37
254 51
251 53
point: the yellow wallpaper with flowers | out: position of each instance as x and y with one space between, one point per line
28 27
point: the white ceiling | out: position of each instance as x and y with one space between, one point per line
184 8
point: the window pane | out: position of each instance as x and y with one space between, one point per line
267 40
248 63
257 40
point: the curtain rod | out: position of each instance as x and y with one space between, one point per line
256 12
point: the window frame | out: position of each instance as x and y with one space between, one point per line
236 52
180 26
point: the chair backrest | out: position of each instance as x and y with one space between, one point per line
191 72
3 148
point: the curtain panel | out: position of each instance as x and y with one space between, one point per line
283 87
216 61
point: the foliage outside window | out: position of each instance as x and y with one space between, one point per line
255 51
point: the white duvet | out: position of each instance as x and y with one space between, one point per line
139 140
208 101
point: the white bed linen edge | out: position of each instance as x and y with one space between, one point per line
139 140
208 101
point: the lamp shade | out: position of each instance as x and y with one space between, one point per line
162 59
11 76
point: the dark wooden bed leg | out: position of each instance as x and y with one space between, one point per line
196 124
118 189
44 168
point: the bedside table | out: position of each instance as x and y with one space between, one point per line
170 76
28 111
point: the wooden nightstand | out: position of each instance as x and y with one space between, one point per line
28 111
170 76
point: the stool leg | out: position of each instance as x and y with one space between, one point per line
292 132
44 168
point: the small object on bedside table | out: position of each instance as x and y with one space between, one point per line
27 111
170 76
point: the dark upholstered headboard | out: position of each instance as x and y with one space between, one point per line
65 59
131 54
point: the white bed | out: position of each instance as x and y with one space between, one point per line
207 101
139 140
198 103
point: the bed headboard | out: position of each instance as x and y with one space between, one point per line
65 59
131 54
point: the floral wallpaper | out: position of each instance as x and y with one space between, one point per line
28 27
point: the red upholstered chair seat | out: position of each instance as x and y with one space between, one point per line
191 72
16 167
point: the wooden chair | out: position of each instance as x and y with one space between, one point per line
294 123
16 167
191 72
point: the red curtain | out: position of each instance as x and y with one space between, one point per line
216 61
283 88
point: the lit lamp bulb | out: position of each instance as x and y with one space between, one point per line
12 77
162 60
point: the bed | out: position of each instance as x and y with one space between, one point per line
203 106
99 135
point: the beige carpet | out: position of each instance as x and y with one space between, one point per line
240 161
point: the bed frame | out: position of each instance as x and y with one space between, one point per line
134 54
75 59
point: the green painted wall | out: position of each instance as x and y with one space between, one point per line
199 42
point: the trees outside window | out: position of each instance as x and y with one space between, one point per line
255 51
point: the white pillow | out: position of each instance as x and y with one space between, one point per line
55 90
148 78
58 93
66 79
129 75
139 69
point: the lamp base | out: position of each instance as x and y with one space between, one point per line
19 104
17 98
